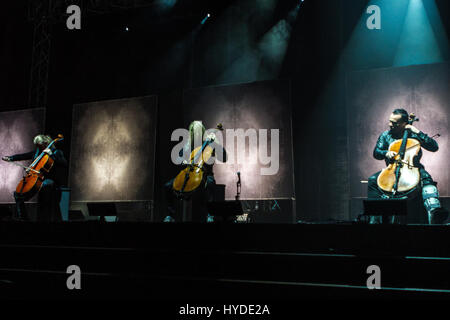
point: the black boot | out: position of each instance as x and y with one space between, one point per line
21 213
438 216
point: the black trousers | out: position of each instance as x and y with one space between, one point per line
415 195
48 203
200 199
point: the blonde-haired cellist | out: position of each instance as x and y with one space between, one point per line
50 193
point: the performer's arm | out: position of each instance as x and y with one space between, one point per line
21 156
58 157
381 148
427 142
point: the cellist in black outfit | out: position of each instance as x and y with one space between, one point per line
398 123
50 192
206 192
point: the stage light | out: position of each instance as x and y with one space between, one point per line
126 29
411 32
299 4
418 43
273 45
166 5
206 18
261 56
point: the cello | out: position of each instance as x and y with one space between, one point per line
190 178
35 173
401 175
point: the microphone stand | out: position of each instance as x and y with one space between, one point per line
238 187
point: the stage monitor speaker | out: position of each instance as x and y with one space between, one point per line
106 211
385 208
75 215
225 211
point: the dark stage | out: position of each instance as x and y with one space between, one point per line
223 262
224 151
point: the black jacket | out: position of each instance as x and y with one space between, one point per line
58 171
386 138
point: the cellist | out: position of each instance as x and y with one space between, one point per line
50 193
398 123
205 194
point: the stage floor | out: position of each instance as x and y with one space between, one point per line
206 261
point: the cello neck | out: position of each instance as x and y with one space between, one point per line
411 120
402 150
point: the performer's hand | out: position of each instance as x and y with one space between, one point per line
391 154
48 151
6 158
412 128
211 136
184 163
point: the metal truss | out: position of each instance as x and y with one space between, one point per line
55 10
45 13
40 60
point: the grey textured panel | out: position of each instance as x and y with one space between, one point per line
113 150
260 105
17 130
371 97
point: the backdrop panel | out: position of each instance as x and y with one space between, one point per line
17 130
113 150
371 97
260 105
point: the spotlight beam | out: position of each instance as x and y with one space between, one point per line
205 18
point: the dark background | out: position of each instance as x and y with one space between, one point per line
158 56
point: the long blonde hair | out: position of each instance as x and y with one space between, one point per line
195 129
